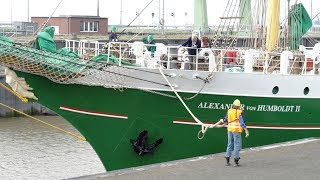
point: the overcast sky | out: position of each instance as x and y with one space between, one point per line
17 9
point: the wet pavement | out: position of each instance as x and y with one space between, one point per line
287 161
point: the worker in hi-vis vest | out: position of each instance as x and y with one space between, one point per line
235 122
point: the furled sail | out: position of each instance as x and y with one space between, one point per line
272 24
300 23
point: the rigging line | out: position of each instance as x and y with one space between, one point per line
310 40
229 23
316 16
44 53
45 23
92 67
31 42
217 29
142 70
189 98
43 122
136 78
137 34
135 18
23 99
47 54
125 67
245 20
172 96
124 135
225 14
175 97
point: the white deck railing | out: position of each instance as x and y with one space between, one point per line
205 59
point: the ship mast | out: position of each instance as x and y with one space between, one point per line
200 15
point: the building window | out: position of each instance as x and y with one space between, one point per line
89 26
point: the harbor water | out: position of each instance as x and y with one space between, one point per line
32 150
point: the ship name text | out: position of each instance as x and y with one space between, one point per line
258 108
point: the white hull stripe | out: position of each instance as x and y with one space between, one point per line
257 127
66 108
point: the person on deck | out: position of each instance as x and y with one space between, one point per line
193 43
236 123
150 44
113 37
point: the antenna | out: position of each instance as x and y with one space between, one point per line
162 16
28 11
311 8
98 8
121 12
11 12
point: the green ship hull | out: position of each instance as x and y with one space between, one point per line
108 118
111 105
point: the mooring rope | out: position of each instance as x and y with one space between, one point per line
43 122
23 99
204 127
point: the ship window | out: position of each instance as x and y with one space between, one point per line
275 90
306 91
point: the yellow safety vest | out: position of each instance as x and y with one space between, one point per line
233 120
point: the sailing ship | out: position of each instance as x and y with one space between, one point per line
140 110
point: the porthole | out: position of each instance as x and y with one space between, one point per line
306 91
275 90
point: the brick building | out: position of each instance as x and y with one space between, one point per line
79 25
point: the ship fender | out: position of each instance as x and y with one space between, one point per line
18 84
140 145
183 57
137 49
207 52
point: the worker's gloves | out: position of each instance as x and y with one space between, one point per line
247 134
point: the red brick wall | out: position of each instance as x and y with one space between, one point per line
69 25
54 21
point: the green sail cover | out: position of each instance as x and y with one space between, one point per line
45 40
300 23
61 62
49 59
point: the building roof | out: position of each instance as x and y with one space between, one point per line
73 16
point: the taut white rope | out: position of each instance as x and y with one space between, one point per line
204 127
